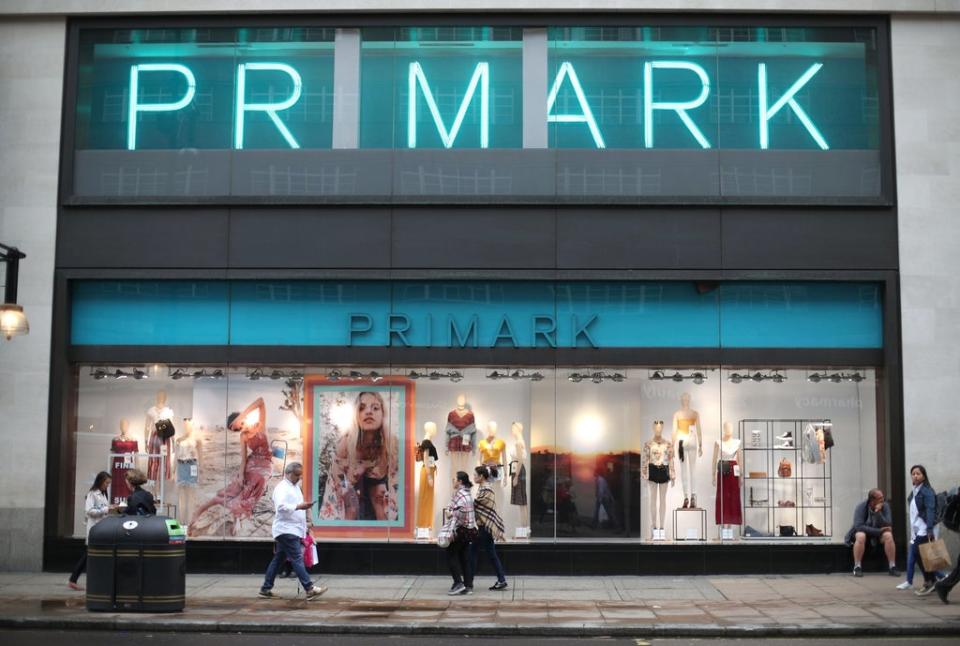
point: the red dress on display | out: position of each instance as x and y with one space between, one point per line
121 461
728 510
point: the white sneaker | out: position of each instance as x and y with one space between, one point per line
904 586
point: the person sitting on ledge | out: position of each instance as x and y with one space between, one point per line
873 522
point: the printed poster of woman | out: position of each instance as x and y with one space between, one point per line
359 456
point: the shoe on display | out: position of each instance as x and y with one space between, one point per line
693 502
813 531
893 571
499 585
926 589
458 588
906 585
787 437
786 503
786 444
686 503
857 571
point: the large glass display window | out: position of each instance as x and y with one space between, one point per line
649 454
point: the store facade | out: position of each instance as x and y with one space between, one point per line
569 250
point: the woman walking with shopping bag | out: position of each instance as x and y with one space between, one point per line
923 506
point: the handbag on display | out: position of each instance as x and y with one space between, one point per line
758 474
827 438
935 556
164 429
756 498
726 467
785 470
787 530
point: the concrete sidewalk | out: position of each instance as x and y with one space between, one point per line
784 605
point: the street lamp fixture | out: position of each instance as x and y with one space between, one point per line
13 321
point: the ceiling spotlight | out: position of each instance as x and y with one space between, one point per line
120 374
99 373
413 374
375 376
677 377
536 376
855 377
139 374
618 377
178 374
777 378
276 374
456 376
814 378
656 376
255 374
734 378
836 378
576 378
697 378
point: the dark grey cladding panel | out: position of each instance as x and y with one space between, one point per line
146 174
310 238
142 238
638 238
465 238
765 238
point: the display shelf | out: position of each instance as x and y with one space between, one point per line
806 481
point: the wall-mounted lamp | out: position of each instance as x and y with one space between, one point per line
13 322
771 375
597 377
697 377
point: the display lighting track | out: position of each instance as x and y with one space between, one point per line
259 373
180 373
104 373
835 377
596 377
515 375
773 375
436 375
697 377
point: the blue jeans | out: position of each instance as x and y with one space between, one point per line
485 542
913 558
288 546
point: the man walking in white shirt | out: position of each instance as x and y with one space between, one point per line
289 528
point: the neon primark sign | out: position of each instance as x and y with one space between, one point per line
478 92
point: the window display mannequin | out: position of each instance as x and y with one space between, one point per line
155 444
518 480
461 429
188 453
656 467
122 459
727 458
688 438
427 454
493 453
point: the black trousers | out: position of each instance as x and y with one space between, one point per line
457 560
951 579
79 568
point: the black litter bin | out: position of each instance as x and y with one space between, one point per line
136 564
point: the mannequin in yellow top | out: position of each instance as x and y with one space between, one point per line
492 451
688 439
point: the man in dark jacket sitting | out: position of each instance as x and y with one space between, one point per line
872 522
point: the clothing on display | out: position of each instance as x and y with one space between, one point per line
518 491
657 454
659 473
460 427
426 452
728 510
188 463
685 438
123 459
491 451
426 449
156 443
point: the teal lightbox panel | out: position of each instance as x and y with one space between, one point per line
801 315
639 314
306 312
136 312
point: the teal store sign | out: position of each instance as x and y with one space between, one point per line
422 89
477 314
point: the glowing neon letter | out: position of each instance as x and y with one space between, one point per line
786 99
134 106
680 107
585 116
481 76
270 108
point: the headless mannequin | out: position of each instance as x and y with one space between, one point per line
461 429
518 481
493 451
188 450
730 446
688 447
428 477
657 464
158 468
